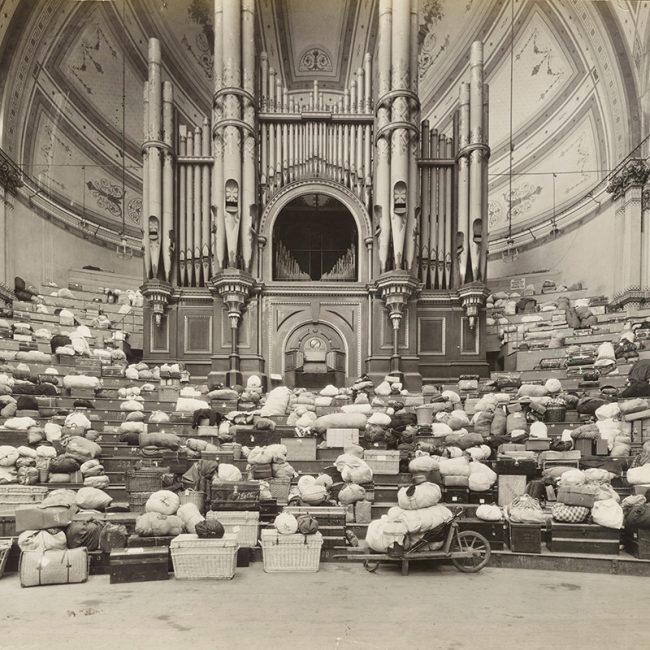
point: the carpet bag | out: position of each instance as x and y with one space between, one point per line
53 567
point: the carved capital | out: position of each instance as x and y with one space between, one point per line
234 287
634 172
11 178
395 289
472 298
158 294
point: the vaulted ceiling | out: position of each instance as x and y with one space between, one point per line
580 87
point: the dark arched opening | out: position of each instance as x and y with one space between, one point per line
315 238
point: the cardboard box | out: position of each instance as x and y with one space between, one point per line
35 518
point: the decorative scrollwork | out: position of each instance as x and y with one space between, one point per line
315 59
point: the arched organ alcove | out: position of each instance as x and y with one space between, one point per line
284 210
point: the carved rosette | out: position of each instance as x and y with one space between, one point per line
635 172
234 287
472 298
395 289
158 293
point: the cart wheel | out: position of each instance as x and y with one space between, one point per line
469 541
370 567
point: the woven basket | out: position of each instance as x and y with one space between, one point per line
19 495
5 548
289 553
279 488
244 524
195 497
199 559
555 413
137 501
146 479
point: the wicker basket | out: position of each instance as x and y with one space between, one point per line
195 497
289 553
199 559
146 479
5 548
279 488
555 413
137 501
244 524
19 495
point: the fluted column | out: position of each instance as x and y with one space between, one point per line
217 201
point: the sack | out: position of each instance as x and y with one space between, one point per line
42 540
112 536
487 512
307 525
423 495
90 498
84 533
607 513
163 502
53 567
351 493
569 514
526 510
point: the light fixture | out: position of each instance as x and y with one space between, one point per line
123 249
511 252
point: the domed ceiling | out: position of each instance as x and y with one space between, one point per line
73 73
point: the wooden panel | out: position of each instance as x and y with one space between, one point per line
469 338
431 335
198 334
160 335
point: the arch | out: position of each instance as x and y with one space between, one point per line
294 190
304 324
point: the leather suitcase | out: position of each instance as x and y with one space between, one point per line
53 567
516 466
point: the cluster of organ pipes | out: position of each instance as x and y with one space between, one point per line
205 186
313 139
454 184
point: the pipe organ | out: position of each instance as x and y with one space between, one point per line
417 197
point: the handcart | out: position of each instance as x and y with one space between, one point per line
468 550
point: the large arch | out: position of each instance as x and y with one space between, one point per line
315 186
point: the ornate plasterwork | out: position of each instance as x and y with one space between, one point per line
315 60
634 172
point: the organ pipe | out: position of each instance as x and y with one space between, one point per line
425 214
462 246
145 186
205 202
476 154
168 180
189 209
382 160
217 207
155 155
196 251
182 212
249 189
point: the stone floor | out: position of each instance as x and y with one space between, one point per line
341 607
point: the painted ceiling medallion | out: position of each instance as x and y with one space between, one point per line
315 59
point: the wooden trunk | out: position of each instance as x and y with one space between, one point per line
139 564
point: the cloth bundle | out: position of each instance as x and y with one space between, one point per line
569 514
155 524
353 469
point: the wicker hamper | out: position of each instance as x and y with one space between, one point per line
243 524
5 548
279 488
288 553
145 479
19 495
197 559
138 500
193 496
382 461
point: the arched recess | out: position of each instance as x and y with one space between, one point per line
318 186
315 354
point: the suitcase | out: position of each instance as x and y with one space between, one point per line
53 567
139 564
516 466
584 538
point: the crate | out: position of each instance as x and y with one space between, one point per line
331 522
139 564
510 486
12 496
243 524
382 461
235 495
8 526
204 559
455 495
342 437
300 449
494 531
207 430
279 488
525 538
291 553
485 497
584 538
538 445
584 445
637 542
221 456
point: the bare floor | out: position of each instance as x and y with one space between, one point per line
341 607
